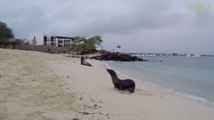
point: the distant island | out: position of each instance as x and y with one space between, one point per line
171 54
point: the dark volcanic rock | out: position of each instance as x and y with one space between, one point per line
116 57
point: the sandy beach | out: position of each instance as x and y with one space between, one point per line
41 86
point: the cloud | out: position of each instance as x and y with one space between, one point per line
140 25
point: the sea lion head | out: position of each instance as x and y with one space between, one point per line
111 72
113 77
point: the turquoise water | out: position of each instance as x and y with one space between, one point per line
192 77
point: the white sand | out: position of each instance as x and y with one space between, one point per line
40 86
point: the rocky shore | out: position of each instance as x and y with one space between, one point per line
117 57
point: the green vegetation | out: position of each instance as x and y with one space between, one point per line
86 45
19 41
5 32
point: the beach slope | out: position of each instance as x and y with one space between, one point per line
41 86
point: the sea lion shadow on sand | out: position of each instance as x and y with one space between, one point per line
83 62
126 84
136 92
143 92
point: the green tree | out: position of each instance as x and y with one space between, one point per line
19 41
82 44
96 40
5 32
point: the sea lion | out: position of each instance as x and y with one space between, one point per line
83 62
126 84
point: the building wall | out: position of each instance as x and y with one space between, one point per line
57 41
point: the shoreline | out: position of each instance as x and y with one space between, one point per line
46 86
145 94
161 88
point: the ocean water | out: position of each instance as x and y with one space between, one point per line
192 77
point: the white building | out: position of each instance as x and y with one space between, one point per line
38 36
57 41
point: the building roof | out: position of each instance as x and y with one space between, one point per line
64 37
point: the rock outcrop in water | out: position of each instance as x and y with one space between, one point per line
116 57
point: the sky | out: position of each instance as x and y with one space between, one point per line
162 26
